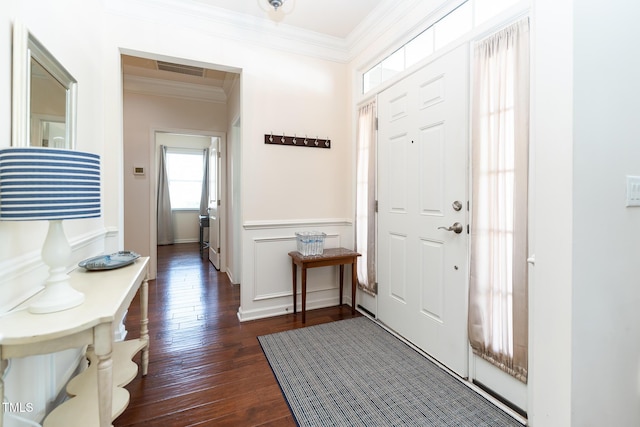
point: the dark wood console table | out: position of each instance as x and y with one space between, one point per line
333 256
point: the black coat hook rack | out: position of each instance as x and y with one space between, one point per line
298 141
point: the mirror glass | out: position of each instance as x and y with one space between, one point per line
44 99
48 104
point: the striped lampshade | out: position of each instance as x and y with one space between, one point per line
48 184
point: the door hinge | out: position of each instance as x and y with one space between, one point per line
218 251
468 229
376 123
219 202
376 206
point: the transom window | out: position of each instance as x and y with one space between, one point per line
464 18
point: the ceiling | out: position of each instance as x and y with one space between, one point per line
336 18
328 19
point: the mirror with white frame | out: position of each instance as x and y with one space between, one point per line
44 96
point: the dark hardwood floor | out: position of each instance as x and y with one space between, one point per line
206 367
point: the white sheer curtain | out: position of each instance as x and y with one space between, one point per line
204 196
164 215
365 197
498 314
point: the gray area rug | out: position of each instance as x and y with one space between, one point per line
354 373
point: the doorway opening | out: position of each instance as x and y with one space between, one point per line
164 100
188 191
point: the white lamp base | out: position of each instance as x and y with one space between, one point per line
56 297
58 294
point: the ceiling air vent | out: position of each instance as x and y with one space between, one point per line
181 69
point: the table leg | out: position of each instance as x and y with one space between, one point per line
144 324
103 349
341 281
304 294
294 271
354 283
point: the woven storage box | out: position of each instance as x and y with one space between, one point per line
310 242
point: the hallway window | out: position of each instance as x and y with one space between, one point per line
184 171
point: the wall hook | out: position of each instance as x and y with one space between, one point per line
283 139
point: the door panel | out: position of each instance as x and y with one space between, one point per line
397 266
431 169
398 178
422 170
431 279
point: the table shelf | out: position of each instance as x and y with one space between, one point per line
82 408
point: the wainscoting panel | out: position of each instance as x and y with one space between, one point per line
267 286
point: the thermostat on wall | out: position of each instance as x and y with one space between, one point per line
138 170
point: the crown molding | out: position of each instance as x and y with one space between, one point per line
157 87
381 20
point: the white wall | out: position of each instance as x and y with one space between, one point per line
585 364
550 285
606 234
280 92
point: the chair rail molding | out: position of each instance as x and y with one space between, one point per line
277 224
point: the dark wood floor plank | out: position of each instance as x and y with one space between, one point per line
206 367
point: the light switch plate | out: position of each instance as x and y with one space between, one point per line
633 191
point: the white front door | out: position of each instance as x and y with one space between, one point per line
214 202
422 189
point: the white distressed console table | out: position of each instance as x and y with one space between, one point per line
97 394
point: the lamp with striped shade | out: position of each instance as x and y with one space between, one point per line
50 184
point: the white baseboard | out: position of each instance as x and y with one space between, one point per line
282 310
177 241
